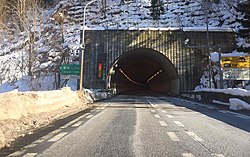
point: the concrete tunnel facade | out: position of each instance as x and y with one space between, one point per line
144 69
137 55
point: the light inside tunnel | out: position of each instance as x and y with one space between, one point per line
142 70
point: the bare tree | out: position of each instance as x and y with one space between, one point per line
4 14
28 14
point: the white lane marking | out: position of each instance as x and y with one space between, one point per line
162 123
179 123
30 155
78 124
89 116
218 155
223 111
239 115
233 113
153 111
157 116
154 106
163 111
236 114
194 136
18 153
30 146
170 116
243 116
210 107
74 121
173 136
58 137
187 155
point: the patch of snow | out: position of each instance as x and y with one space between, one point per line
214 57
237 104
204 29
232 91
234 54
220 102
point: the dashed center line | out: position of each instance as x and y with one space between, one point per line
194 136
173 136
162 123
179 123
187 155
157 116
58 137
170 116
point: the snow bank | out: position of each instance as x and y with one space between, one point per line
232 91
23 112
14 105
237 104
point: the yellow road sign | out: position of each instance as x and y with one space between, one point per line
235 61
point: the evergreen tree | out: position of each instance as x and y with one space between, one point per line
244 32
156 9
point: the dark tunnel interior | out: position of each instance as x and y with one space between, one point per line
144 70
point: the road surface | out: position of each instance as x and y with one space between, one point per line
141 126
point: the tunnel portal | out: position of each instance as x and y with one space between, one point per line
144 69
158 60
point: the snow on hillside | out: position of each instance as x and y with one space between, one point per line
177 13
51 49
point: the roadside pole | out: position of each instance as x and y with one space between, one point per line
83 43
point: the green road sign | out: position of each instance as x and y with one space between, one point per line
70 69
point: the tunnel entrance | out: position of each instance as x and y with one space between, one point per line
141 70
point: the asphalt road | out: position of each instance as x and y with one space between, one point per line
144 126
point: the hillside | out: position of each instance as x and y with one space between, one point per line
57 40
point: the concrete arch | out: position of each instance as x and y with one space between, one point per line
144 69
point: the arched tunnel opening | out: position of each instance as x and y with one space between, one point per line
142 70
